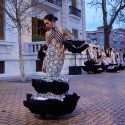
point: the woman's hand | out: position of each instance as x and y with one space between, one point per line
62 50
43 67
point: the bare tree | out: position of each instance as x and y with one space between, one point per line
18 11
112 11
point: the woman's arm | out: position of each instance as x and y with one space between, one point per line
46 38
62 50
46 45
68 34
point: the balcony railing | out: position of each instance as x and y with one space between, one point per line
56 2
32 48
74 11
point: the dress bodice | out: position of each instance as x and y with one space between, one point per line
55 37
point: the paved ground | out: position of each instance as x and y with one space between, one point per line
102 101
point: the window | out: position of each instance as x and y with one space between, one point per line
75 32
2 67
2 20
38 29
102 34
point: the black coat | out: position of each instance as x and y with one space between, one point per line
42 52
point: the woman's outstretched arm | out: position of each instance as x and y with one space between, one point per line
68 34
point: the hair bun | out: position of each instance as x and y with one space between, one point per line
55 19
51 17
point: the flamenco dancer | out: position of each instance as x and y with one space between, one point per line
52 96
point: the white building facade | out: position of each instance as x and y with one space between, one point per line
70 13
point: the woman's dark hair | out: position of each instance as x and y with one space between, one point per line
51 18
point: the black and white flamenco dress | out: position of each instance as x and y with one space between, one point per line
52 97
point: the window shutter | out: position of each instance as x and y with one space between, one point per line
34 28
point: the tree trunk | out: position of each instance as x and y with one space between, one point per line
105 25
106 38
21 61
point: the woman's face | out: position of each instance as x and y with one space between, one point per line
48 24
